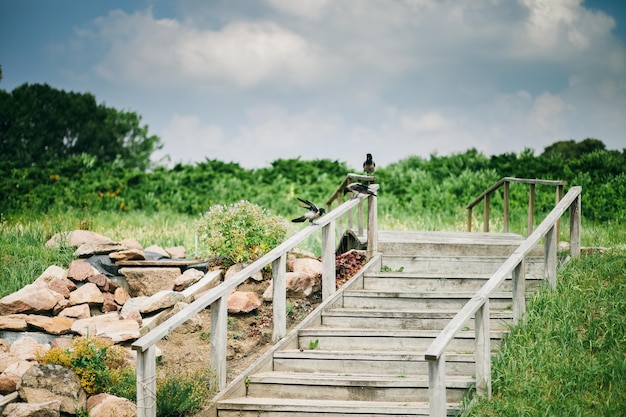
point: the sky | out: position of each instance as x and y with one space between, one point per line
255 81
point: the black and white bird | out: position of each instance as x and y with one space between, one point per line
312 214
356 188
369 165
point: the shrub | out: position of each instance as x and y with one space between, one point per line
181 395
240 232
98 363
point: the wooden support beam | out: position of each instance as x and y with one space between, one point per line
437 386
483 351
328 261
219 338
279 297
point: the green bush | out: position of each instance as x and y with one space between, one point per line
184 394
240 232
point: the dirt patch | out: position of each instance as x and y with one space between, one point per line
250 334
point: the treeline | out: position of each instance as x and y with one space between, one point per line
438 185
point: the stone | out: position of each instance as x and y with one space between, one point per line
107 405
109 303
8 383
160 301
86 294
236 268
120 295
14 322
44 409
79 270
109 326
243 302
132 304
305 266
50 273
157 249
42 383
27 348
189 277
6 359
127 255
76 238
90 249
18 367
51 325
62 286
131 244
30 299
80 311
178 252
149 281
298 285
100 280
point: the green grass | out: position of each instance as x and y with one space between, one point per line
568 357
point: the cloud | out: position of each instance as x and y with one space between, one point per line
156 52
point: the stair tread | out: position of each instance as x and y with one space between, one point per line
350 331
375 312
334 379
343 406
422 294
366 355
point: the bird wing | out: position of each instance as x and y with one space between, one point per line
308 204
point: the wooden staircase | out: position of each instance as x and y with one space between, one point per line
362 353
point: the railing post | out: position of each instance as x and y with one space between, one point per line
574 228
219 338
437 386
146 382
483 351
329 281
550 256
372 226
360 218
506 206
559 196
469 219
519 291
486 213
531 210
279 297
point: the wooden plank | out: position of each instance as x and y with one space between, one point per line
483 351
219 339
437 386
159 262
279 297
372 227
328 261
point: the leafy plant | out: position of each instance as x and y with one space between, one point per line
313 344
98 363
240 232
185 393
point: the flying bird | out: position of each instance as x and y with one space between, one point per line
310 215
357 188
369 165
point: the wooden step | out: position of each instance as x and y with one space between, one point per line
351 387
365 362
289 407
407 281
403 301
444 265
429 319
450 243
337 338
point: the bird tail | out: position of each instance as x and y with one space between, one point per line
299 219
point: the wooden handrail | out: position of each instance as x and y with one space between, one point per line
479 303
337 196
486 196
217 298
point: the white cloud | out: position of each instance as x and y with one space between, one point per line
150 51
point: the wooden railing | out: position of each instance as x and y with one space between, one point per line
479 303
217 299
338 196
505 182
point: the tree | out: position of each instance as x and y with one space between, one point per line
39 123
570 149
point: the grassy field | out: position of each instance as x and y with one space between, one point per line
568 357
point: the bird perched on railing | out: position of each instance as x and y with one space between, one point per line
310 215
369 165
357 188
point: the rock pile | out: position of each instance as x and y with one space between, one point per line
115 291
